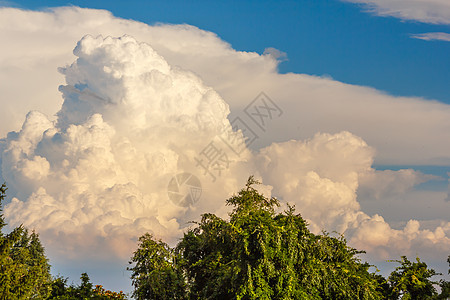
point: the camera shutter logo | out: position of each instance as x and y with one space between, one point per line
184 189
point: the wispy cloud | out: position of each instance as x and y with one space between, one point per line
426 11
432 36
280 56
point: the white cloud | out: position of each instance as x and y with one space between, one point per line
94 174
321 177
432 36
427 11
129 122
404 130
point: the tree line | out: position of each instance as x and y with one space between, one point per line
255 254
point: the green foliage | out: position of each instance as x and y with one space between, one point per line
262 255
411 280
383 287
257 254
155 274
61 291
24 268
59 288
85 288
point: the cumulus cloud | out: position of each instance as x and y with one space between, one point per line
432 36
427 11
380 239
404 130
91 171
128 123
321 177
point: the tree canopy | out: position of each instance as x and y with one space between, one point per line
411 280
61 291
259 254
24 268
256 254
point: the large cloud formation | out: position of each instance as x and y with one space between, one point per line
398 127
321 177
130 121
94 176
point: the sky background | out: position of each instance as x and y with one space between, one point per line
314 58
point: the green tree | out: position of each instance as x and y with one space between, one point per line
383 287
85 288
155 273
411 280
61 291
24 268
262 255
256 254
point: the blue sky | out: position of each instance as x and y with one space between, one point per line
326 37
